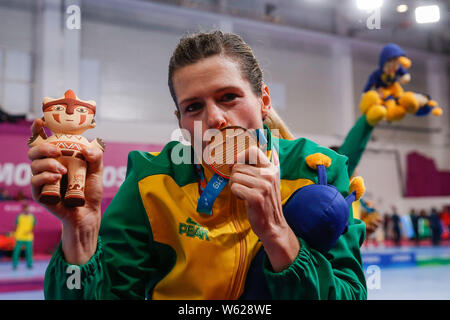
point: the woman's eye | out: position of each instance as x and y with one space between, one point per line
81 110
229 97
58 108
193 107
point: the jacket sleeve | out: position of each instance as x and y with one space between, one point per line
122 266
355 143
336 275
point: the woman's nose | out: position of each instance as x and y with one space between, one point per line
215 117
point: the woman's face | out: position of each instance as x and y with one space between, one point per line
213 93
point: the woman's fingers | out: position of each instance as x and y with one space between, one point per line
94 157
94 176
45 150
259 179
44 168
48 164
243 192
253 156
41 179
249 181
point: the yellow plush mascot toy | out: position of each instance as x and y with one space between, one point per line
384 97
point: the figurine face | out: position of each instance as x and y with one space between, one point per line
391 65
60 119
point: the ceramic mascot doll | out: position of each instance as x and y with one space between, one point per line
67 117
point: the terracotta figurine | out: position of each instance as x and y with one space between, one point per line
67 117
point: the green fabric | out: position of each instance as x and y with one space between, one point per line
28 253
128 263
146 164
355 143
338 275
123 268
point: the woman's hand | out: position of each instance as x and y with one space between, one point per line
80 224
259 186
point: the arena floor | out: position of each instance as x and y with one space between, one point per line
425 278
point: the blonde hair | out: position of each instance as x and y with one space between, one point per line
277 126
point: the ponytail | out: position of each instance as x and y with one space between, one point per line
277 126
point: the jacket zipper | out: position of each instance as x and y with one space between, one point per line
242 254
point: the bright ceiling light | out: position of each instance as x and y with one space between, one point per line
402 8
369 4
427 14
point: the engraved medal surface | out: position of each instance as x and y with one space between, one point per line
222 152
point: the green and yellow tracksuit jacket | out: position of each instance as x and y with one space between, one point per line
154 244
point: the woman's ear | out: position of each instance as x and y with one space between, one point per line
266 103
177 114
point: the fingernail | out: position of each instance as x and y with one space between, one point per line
54 150
62 169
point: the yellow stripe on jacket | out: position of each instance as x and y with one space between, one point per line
356 210
219 243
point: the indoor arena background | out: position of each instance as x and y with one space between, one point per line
316 57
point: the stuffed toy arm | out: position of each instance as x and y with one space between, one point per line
404 76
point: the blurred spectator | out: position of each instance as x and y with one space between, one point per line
25 224
373 221
6 117
445 222
445 217
20 196
4 195
435 226
424 225
7 243
415 223
396 227
386 222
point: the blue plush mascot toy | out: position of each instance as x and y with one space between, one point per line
317 213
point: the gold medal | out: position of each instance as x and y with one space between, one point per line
223 150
